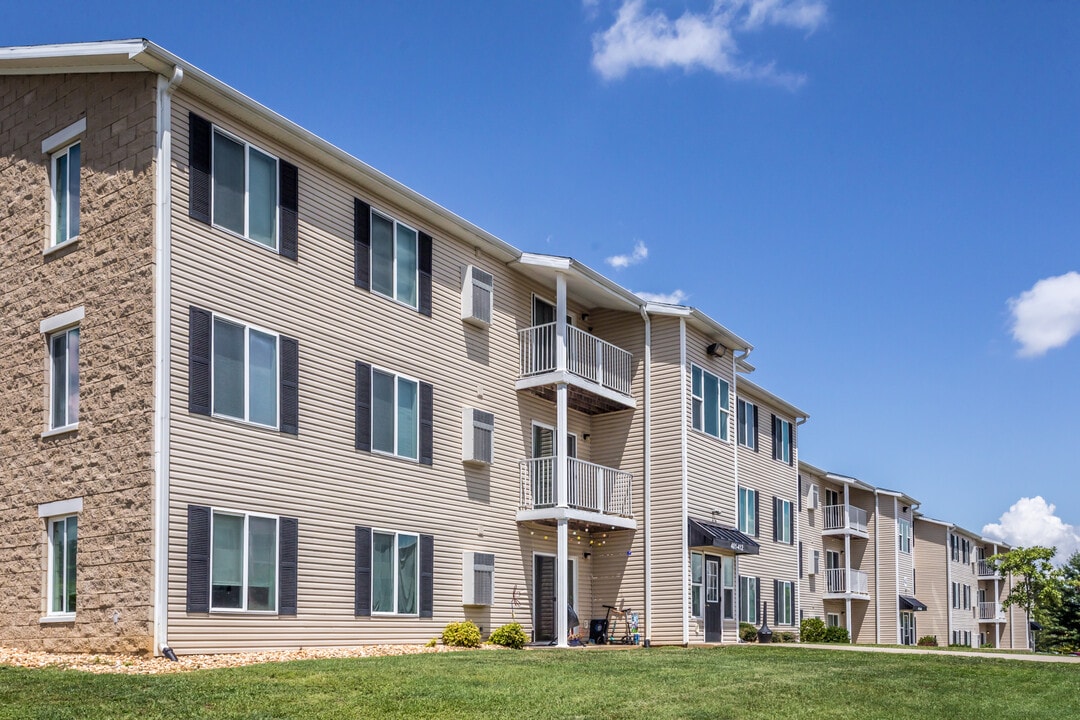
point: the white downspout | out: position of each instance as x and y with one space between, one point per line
562 559
877 572
684 450
948 583
162 310
735 468
796 520
847 561
896 563
647 461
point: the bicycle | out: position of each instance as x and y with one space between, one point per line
611 636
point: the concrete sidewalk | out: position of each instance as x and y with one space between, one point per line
1026 657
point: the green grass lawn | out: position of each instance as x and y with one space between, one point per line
719 682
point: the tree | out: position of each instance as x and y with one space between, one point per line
1036 584
1063 633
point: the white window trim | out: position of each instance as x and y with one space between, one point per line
788 617
72 506
396 582
904 536
248 327
699 585
712 590
789 446
54 155
51 327
829 620
394 262
244 561
723 416
554 439
52 616
746 426
396 375
787 528
751 611
276 249
751 508
64 137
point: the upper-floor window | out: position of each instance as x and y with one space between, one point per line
748 507
394 572
781 432
783 519
64 378
903 529
245 190
394 259
395 416
66 164
245 369
63 550
711 404
747 424
244 562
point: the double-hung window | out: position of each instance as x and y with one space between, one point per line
394 414
63 551
395 573
65 193
748 599
783 520
748 505
747 422
64 378
244 562
711 404
781 440
697 561
903 529
394 257
245 370
245 198
727 565
785 602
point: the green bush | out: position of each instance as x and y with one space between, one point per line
432 642
747 632
783 637
928 641
812 630
461 634
836 635
510 635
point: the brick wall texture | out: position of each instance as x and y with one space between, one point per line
109 270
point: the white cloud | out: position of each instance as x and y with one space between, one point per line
1031 521
639 253
640 39
675 297
1048 315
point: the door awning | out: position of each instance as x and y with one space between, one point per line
703 534
910 603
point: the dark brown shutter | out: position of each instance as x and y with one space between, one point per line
775 518
289 188
287 565
791 449
776 602
363 406
200 137
775 438
198 559
757 514
362 594
361 244
200 327
427 575
800 559
290 386
427 424
423 263
757 443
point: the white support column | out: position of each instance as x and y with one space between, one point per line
562 496
847 563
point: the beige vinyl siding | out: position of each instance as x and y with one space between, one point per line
668 551
965 619
932 582
318 476
811 522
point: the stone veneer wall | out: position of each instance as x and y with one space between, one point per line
109 271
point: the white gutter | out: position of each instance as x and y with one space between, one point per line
647 460
685 481
162 310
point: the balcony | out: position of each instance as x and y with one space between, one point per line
598 494
989 612
598 373
844 520
984 572
841 583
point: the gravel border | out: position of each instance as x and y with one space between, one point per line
145 665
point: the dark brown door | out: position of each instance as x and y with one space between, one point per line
543 598
714 629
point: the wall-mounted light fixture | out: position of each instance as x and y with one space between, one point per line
586 436
716 350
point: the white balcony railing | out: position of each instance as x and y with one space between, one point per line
989 611
592 487
983 569
587 356
841 581
840 517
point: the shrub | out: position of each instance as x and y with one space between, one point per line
812 630
432 642
783 637
747 632
510 635
928 641
836 635
461 634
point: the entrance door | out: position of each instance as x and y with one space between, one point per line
714 627
545 596
543 474
907 628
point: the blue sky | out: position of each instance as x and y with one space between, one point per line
882 197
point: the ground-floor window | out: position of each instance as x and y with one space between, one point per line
63 542
728 571
785 602
394 572
748 599
697 561
244 562
832 619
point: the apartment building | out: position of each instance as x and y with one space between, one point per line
262 395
